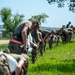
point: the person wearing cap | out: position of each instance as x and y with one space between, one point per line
22 31
15 62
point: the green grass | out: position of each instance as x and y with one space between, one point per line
4 38
56 61
3 46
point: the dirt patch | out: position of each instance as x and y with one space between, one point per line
4 41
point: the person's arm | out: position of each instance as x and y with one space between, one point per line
19 67
45 37
24 36
42 39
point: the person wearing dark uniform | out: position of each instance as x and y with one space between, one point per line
21 33
45 34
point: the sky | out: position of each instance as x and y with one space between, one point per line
57 16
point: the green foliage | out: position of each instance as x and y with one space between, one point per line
10 21
57 61
61 3
5 14
41 18
16 20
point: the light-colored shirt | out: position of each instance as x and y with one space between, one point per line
11 61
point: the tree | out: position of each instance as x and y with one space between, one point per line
41 18
16 20
5 13
61 3
10 21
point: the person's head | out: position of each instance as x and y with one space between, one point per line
63 26
35 24
71 26
69 22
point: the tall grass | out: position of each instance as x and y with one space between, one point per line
56 61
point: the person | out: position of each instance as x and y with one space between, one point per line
22 31
41 41
15 62
68 25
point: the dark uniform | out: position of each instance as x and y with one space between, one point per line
45 34
35 40
13 47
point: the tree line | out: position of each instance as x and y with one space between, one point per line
10 21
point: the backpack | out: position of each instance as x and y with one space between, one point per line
4 67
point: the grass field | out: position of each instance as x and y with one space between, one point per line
56 61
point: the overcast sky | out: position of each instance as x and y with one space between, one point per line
57 16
